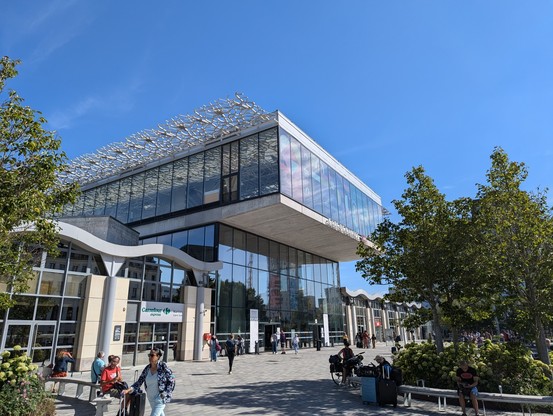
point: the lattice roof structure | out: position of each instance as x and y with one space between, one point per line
215 120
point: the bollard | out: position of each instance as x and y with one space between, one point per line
318 345
256 348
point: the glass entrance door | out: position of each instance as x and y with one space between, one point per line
37 339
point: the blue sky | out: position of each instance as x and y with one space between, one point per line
382 85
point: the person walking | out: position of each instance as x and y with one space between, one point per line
214 348
230 346
373 340
295 343
97 367
282 342
159 382
274 342
365 339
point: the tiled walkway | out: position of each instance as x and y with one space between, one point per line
265 384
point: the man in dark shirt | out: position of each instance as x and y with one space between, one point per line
467 380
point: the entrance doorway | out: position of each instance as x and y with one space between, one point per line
35 338
269 330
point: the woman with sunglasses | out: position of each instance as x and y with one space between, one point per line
158 380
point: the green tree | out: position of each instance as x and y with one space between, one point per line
31 193
516 229
425 256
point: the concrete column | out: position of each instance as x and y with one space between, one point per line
107 312
198 334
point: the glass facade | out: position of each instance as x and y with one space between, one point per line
236 171
290 288
47 316
305 178
260 164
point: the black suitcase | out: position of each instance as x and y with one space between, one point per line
387 390
137 405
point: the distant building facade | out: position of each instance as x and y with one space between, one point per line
384 319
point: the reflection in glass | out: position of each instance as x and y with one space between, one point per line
51 283
48 309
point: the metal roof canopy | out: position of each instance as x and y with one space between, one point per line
213 121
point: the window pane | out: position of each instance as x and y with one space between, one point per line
225 243
285 164
137 196
249 168
75 285
67 335
150 193
100 200
263 256
180 181
195 180
239 248
124 198
70 309
196 241
163 202
306 176
48 309
316 181
18 335
111 199
212 182
225 285
51 284
24 308
268 162
295 154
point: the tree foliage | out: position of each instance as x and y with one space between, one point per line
424 256
30 192
517 247
473 259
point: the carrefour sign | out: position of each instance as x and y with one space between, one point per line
161 312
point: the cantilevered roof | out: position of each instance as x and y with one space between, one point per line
212 121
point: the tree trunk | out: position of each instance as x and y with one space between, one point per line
543 353
437 327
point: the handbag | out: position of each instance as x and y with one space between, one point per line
120 386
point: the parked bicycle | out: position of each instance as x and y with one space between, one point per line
337 368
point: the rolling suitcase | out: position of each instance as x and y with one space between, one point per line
137 405
368 390
387 389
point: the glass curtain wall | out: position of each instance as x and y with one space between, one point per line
236 171
308 180
46 317
289 287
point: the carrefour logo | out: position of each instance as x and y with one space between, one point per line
156 311
161 312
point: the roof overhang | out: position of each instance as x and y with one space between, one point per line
280 218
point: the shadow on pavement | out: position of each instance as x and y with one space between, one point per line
303 397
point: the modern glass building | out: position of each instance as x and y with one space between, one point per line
267 212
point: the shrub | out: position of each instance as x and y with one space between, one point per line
22 392
508 364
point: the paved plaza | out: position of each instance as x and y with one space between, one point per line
265 384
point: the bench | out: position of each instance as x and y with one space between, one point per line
101 404
81 384
442 394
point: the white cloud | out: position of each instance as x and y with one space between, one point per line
119 101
